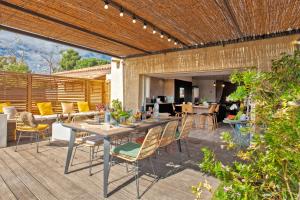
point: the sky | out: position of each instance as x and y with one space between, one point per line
33 50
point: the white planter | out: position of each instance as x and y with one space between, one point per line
3 130
60 133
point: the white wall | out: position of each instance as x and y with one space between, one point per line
3 130
117 79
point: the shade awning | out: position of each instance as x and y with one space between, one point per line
86 24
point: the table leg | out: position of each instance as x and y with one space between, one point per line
106 159
70 150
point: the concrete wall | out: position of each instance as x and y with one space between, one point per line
206 89
234 56
157 86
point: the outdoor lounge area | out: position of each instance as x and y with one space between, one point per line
143 99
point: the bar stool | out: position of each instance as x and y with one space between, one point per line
209 117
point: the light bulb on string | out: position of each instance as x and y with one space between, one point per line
121 12
145 26
106 5
134 19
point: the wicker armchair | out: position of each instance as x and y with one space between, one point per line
25 128
134 152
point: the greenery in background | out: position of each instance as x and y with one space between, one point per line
270 167
72 60
10 63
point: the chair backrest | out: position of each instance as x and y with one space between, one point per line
150 143
79 118
212 108
217 108
25 121
169 133
187 127
187 108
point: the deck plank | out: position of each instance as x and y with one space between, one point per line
15 185
5 192
29 175
40 191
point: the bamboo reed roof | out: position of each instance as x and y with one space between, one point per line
193 23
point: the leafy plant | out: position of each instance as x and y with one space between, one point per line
118 112
270 167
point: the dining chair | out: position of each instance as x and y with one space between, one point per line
184 133
133 152
169 134
208 117
86 140
215 115
25 124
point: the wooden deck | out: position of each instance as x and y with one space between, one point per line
29 175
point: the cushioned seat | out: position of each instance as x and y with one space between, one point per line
177 134
130 149
94 140
42 127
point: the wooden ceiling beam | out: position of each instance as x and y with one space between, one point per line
57 21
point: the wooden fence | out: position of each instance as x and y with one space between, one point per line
24 91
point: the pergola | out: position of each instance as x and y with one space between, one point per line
144 27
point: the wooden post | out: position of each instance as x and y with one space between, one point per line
29 93
87 92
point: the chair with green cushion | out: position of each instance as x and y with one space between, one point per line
134 152
184 133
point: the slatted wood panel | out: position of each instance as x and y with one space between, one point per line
13 88
24 91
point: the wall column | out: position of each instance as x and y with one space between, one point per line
117 80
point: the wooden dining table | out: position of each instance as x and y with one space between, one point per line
108 132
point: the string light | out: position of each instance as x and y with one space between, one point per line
169 39
134 19
106 5
223 85
145 25
214 84
161 35
121 12
175 43
154 31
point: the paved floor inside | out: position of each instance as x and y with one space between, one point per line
29 175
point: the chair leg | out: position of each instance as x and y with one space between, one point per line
20 135
92 150
137 180
187 148
73 155
179 146
37 140
152 167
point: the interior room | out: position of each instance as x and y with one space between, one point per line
170 91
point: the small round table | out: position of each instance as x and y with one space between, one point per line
241 139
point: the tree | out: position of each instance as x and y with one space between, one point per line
10 63
69 59
270 167
51 60
90 62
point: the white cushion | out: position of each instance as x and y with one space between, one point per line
94 140
10 111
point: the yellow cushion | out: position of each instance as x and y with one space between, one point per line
2 105
67 108
45 108
83 106
41 127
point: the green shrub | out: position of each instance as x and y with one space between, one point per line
270 167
